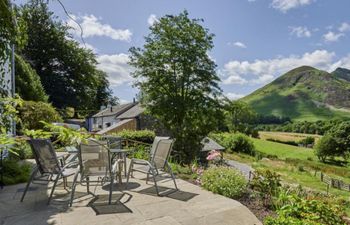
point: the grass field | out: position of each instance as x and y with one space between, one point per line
286 136
283 151
296 165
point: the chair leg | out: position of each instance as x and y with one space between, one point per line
111 189
87 185
154 180
172 175
29 181
53 188
73 189
147 178
128 176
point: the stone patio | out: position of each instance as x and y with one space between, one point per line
139 205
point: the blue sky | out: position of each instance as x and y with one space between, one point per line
255 40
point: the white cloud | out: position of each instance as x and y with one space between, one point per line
300 31
239 44
332 37
234 96
152 19
234 79
117 68
285 5
344 27
263 71
92 26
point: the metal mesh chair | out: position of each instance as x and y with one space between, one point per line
160 153
95 161
48 165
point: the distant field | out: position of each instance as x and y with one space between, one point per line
285 136
283 151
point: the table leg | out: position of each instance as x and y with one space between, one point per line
124 164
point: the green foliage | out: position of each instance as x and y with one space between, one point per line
8 112
309 211
307 141
37 134
178 80
31 113
235 142
67 136
336 142
67 71
326 147
15 172
307 127
28 84
22 150
224 181
146 136
238 115
267 183
140 152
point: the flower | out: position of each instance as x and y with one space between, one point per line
214 154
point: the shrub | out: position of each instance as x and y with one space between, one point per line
235 142
140 152
31 113
14 172
145 136
224 181
326 147
308 210
22 150
307 141
267 183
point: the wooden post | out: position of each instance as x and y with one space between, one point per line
327 188
321 176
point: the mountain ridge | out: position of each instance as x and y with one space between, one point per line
305 93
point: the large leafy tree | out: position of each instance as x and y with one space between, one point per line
238 115
28 84
67 71
178 80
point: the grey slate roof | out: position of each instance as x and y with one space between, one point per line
116 110
210 144
132 112
120 123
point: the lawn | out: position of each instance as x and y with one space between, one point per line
283 151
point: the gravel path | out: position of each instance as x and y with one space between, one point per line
244 168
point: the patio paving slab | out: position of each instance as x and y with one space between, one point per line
139 205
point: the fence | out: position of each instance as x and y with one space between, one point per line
335 183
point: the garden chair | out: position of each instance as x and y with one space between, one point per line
95 161
159 155
49 166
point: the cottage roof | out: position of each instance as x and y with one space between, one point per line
114 110
132 112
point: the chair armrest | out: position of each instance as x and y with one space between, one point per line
70 164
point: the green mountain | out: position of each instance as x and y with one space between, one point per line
305 93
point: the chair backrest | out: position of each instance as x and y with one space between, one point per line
113 142
94 158
155 144
162 153
45 156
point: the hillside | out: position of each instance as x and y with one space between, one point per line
305 93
